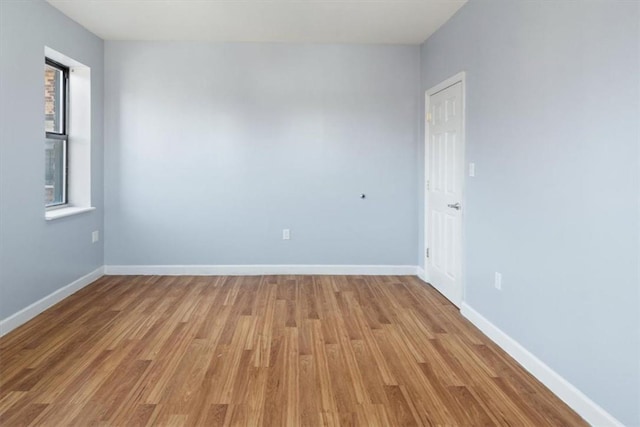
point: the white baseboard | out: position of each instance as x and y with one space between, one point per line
23 316
258 270
573 397
422 274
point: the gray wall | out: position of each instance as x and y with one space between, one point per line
213 149
552 125
38 257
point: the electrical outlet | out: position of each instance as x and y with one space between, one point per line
95 236
497 281
286 235
472 169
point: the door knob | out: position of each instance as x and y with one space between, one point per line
455 206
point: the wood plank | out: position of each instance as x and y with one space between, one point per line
263 351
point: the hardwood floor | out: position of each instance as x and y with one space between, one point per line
270 351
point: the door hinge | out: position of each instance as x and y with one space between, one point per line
428 185
427 252
429 117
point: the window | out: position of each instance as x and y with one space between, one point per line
56 91
67 127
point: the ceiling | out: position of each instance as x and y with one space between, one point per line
296 21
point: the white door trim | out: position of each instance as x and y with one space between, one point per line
458 78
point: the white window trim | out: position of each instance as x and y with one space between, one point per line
65 211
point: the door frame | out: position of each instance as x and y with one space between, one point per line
457 78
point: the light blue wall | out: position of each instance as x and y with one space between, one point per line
213 149
38 257
553 112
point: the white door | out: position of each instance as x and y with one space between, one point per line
445 179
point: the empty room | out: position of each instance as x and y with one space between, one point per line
319 213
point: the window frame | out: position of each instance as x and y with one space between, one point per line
63 135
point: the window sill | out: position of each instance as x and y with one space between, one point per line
64 212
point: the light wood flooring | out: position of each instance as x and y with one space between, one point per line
264 350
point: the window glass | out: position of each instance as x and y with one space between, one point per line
54 172
53 99
55 126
